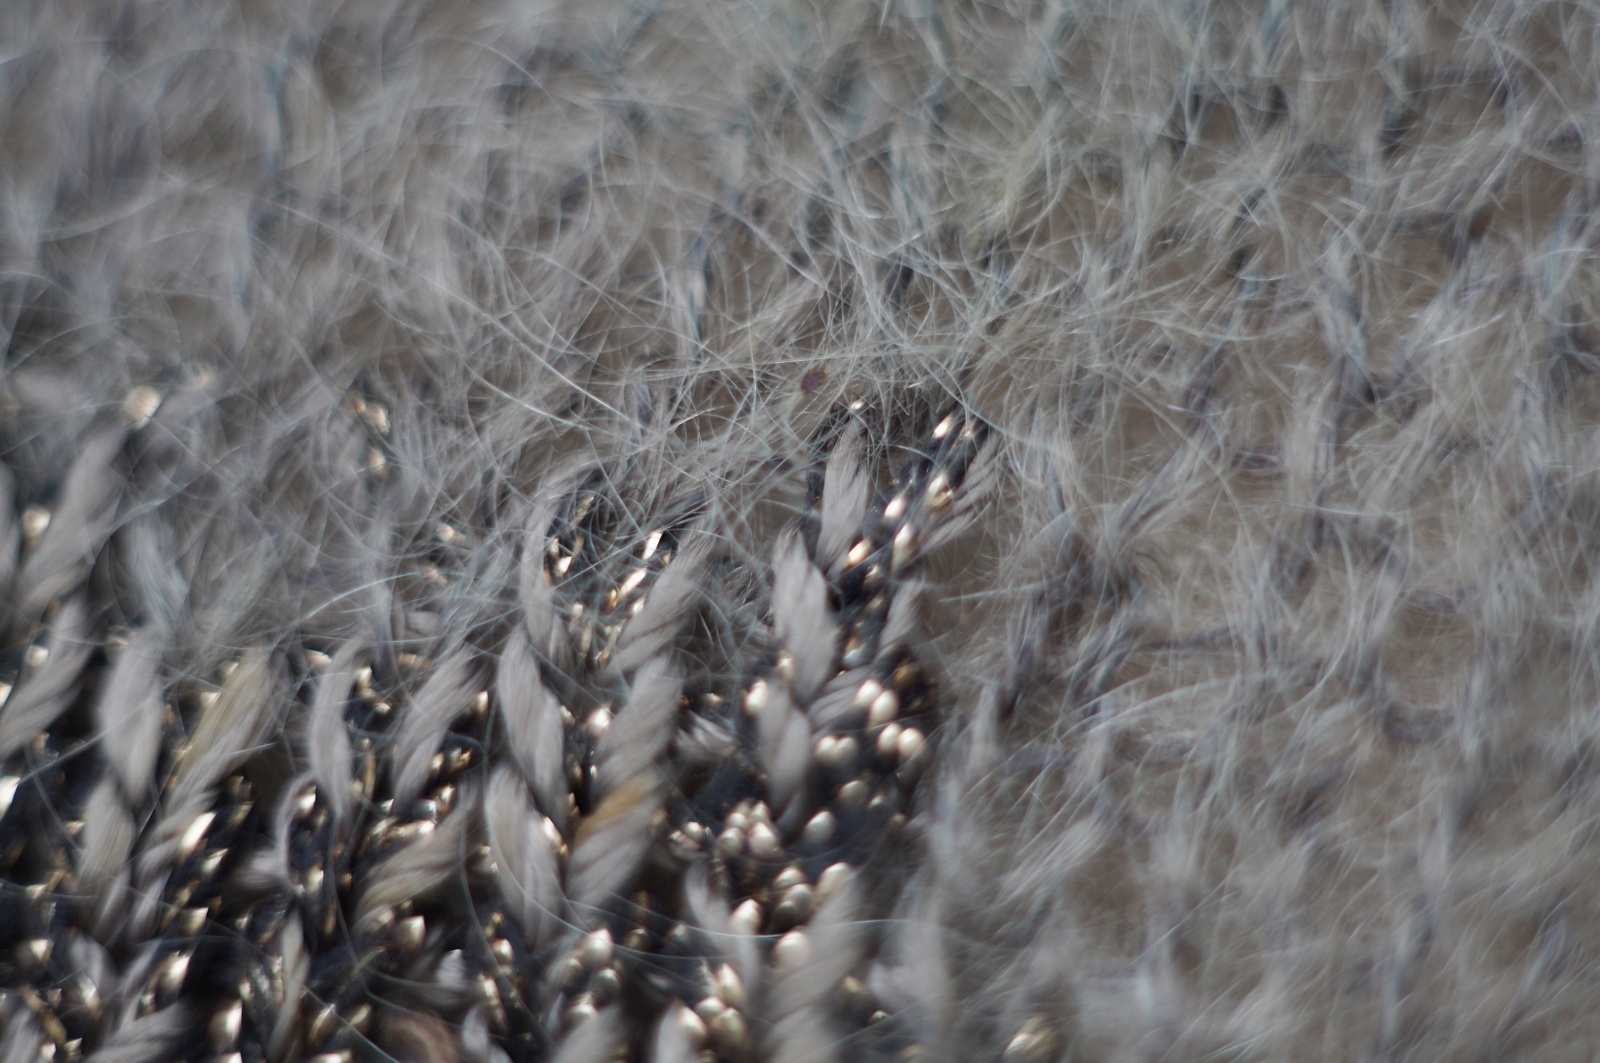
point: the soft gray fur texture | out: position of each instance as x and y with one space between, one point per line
1263 623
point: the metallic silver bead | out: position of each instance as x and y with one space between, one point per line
606 986
792 951
596 950
728 986
833 879
867 694
888 740
709 1008
764 842
909 744
1035 1042
410 933
746 919
884 708
731 841
580 1012
819 828
226 1022
834 750
691 1027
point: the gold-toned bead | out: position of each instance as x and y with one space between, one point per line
853 793
755 699
906 673
606 986
493 1006
888 739
729 1033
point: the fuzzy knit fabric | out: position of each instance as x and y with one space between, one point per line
799 531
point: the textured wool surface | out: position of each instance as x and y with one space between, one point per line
811 530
